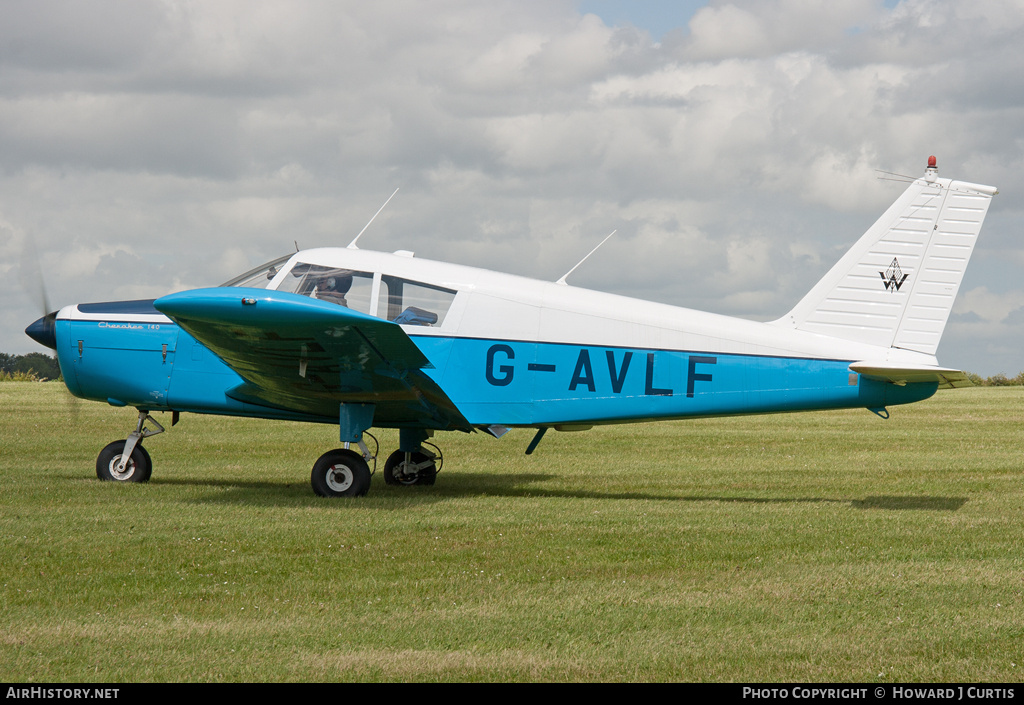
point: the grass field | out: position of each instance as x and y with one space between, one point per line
816 547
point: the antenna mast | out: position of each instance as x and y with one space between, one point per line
564 276
352 245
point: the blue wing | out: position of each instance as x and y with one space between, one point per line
309 356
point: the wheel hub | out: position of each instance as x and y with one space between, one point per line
121 475
406 473
339 477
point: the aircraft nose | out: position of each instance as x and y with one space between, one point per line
44 331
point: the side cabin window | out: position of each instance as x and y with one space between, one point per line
413 303
344 287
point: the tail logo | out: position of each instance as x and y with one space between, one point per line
893 277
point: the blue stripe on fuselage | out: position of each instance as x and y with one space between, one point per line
527 383
491 381
144 306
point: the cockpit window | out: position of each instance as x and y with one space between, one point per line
344 287
412 303
259 278
402 301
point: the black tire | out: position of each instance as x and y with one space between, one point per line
426 476
341 473
138 469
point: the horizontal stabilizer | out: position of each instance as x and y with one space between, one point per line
900 374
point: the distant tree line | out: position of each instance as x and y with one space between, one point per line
999 380
34 366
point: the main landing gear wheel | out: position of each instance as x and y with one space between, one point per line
419 470
138 468
341 473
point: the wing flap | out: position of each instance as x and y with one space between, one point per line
310 356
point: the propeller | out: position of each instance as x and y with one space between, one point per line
44 330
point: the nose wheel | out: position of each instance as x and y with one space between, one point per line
127 460
109 466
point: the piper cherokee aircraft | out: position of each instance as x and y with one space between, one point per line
361 339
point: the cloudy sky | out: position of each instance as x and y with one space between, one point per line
149 146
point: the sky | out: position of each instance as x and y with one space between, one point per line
149 146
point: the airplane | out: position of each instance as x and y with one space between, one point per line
365 339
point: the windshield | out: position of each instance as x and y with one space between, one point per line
259 278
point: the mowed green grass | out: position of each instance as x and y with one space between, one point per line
812 547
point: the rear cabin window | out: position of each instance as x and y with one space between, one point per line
412 303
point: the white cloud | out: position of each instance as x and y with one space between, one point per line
769 27
989 306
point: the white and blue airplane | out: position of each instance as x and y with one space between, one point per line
367 339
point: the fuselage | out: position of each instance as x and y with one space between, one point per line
507 350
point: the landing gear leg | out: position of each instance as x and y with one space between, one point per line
412 464
344 472
127 460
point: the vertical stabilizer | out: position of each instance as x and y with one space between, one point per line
896 286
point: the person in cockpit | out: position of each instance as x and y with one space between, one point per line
334 287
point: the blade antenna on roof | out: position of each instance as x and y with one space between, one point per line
564 276
352 245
